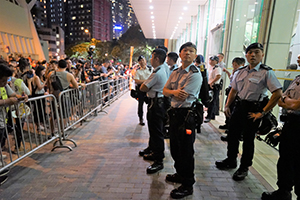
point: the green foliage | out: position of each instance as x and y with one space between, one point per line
117 49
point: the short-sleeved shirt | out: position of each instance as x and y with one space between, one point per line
156 82
253 85
216 70
104 70
9 92
143 74
175 66
190 82
293 91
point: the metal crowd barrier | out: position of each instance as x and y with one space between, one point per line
27 127
76 105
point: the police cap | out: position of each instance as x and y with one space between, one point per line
216 58
255 46
140 58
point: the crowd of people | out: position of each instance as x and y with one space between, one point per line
23 78
172 93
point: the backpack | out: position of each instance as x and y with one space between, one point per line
56 85
204 91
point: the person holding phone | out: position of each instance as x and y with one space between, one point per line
7 98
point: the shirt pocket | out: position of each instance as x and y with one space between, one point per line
254 83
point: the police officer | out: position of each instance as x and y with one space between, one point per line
289 155
140 76
183 87
156 110
250 85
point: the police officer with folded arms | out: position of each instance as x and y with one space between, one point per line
289 155
183 87
249 85
156 111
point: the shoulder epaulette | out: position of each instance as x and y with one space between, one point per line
194 69
215 66
242 67
175 69
263 66
156 69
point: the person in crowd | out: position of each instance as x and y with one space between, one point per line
165 65
140 76
288 175
69 64
250 86
67 80
172 58
183 86
25 73
286 83
7 98
221 63
51 67
39 83
214 84
237 62
156 111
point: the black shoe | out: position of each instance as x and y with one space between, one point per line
4 172
149 156
224 138
207 120
142 122
3 179
227 131
175 178
277 195
224 127
181 192
240 174
155 167
226 164
145 151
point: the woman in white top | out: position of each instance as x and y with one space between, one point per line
38 90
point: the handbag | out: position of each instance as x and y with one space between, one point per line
134 94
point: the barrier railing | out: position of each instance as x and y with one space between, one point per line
76 105
27 127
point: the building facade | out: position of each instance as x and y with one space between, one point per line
122 17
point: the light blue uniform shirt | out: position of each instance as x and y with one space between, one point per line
252 85
156 82
191 83
293 91
174 67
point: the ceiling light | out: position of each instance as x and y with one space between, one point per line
180 17
255 2
252 10
182 13
188 2
237 20
153 26
184 8
151 13
152 17
150 1
152 20
151 7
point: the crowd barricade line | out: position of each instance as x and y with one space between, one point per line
41 120
28 128
75 105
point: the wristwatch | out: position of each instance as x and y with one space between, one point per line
263 113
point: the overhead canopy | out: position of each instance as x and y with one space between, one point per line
159 18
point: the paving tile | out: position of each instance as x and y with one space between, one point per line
105 165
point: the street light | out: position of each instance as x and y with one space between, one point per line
87 31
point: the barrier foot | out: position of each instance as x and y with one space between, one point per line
70 140
62 146
103 111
